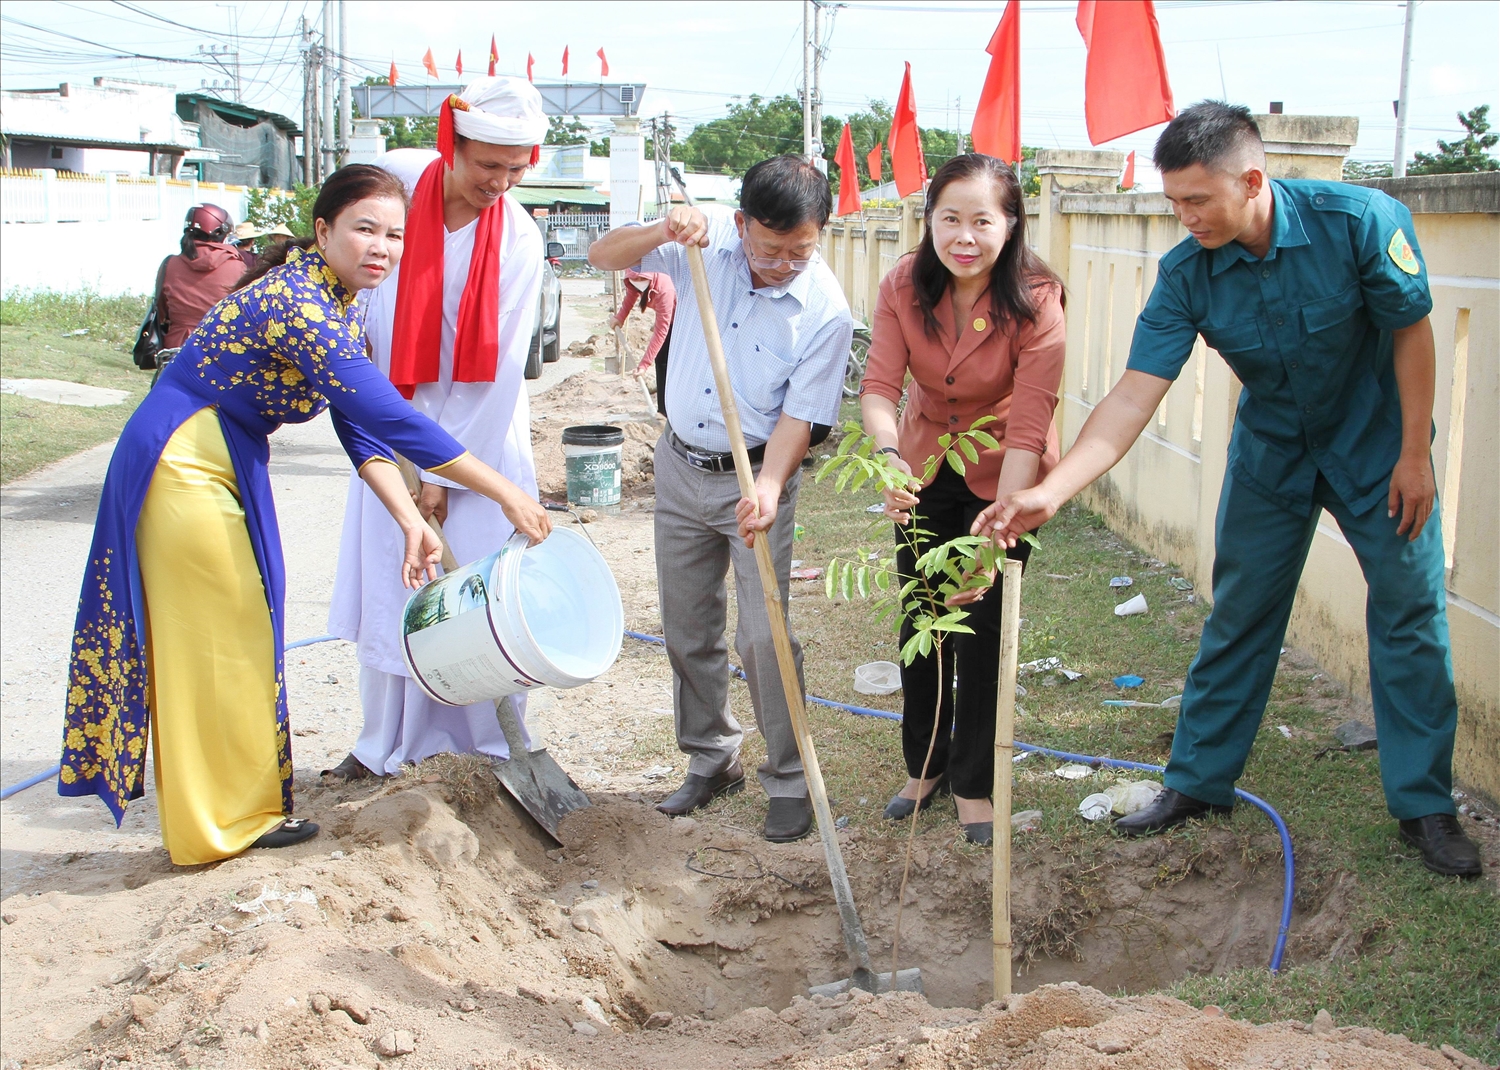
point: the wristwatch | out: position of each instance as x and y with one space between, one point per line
891 450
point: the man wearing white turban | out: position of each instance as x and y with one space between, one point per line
451 327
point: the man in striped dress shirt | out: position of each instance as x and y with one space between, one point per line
786 330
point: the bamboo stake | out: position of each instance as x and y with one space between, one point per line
1005 714
854 937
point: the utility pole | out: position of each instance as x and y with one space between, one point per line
346 103
309 109
1398 165
807 86
234 35
817 93
661 155
326 128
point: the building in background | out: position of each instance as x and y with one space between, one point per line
241 144
113 125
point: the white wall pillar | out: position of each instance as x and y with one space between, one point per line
111 194
49 195
625 152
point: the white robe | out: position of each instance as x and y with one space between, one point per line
493 422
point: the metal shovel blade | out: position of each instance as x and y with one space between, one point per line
534 779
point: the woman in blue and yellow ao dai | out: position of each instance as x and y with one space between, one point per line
181 615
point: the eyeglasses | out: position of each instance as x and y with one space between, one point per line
766 263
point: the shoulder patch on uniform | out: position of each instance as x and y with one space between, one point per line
1400 252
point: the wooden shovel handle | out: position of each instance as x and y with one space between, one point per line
854 938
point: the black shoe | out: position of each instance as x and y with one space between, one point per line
899 808
980 832
292 830
698 791
1445 849
1169 808
788 819
351 768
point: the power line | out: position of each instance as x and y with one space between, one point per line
97 44
194 29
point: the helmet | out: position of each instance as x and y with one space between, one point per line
208 220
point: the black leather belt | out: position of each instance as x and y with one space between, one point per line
709 461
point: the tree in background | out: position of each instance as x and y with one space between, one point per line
1364 170
569 130
267 208
1470 153
759 127
410 133
754 129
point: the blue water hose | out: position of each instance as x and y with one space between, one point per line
1289 885
1290 873
48 774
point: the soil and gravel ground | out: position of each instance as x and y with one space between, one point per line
432 925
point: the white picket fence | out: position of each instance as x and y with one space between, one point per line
104 233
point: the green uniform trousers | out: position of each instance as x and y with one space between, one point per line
1261 549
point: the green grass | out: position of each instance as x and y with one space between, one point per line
35 343
1422 957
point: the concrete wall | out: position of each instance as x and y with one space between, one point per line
105 234
1165 493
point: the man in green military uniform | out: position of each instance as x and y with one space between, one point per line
1316 295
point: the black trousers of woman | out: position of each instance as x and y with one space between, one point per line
965 747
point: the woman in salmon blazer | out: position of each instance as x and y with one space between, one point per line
976 319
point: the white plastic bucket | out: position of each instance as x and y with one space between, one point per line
521 618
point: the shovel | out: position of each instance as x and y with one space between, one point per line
624 348
863 974
533 777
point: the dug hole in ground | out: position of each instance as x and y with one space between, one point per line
431 924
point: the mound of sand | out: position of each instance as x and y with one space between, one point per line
431 926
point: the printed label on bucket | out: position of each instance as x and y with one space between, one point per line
454 643
593 476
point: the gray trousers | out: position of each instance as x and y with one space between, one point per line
696 542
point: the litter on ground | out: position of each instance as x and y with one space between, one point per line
1132 608
1095 807
1073 771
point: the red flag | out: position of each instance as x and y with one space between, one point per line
458 64
565 61
1125 85
393 72
530 63
908 167
430 64
872 164
848 176
495 57
1128 182
603 64
997 119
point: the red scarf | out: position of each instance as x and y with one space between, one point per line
418 333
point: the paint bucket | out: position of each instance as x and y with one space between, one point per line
524 617
592 455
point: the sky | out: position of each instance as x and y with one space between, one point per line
1319 57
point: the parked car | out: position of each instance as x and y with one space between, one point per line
546 337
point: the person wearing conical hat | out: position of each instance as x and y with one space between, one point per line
451 328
